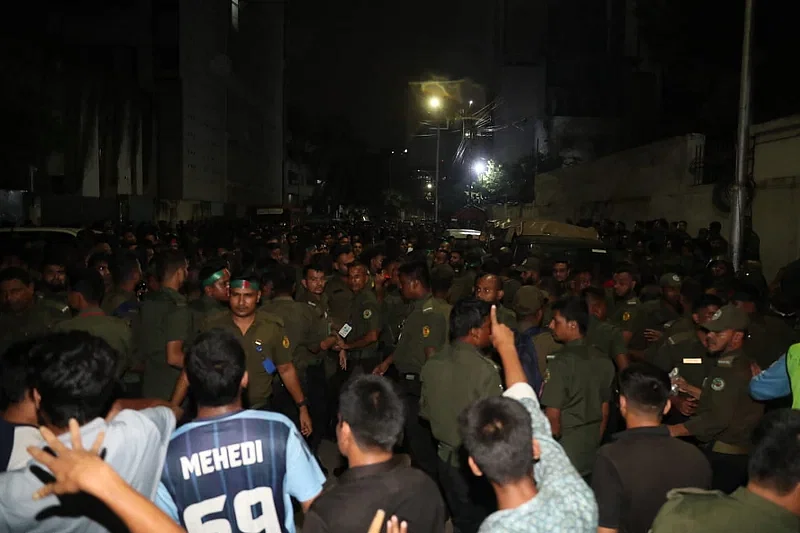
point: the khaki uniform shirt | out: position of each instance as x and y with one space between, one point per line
303 328
506 316
650 315
265 339
35 322
116 298
395 310
702 511
164 317
546 349
365 316
452 379
578 382
115 331
425 327
726 412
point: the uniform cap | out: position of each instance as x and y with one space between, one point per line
531 264
728 317
528 300
671 280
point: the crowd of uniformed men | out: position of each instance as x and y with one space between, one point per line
311 311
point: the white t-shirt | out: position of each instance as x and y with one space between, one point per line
135 446
14 442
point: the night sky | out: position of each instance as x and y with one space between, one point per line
355 58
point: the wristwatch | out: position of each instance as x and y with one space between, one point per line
304 403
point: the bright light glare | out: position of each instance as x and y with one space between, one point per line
479 167
430 185
435 102
470 102
405 151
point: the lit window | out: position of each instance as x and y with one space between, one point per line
235 14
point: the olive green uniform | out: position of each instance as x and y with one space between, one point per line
623 312
578 382
463 286
453 379
394 311
36 321
510 288
340 299
546 348
702 511
425 328
265 339
726 414
115 331
201 309
303 327
683 351
365 316
115 298
506 316
164 317
650 315
445 308
606 338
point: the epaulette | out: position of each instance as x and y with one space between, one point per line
727 363
669 324
632 301
312 304
270 317
427 309
676 494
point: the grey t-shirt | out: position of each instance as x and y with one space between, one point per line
136 443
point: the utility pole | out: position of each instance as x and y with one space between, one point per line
742 142
436 185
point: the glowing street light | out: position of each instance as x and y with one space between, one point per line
405 151
479 167
434 102
430 185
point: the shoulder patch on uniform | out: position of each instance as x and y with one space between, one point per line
546 376
626 316
717 384
427 309
367 314
426 331
632 301
285 342
724 362
312 304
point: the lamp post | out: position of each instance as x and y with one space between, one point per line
434 104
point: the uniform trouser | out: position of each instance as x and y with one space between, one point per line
729 472
315 387
468 497
418 437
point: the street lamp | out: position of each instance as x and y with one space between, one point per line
479 167
430 185
434 104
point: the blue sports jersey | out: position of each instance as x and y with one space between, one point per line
237 473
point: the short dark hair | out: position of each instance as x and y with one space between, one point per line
594 295
211 267
215 365
467 314
87 282
123 266
74 374
316 264
707 300
284 279
54 255
373 410
13 373
97 258
627 268
775 460
491 266
7 274
574 308
341 249
357 264
442 279
167 263
645 386
497 434
417 271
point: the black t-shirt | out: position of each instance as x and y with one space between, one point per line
399 490
633 474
